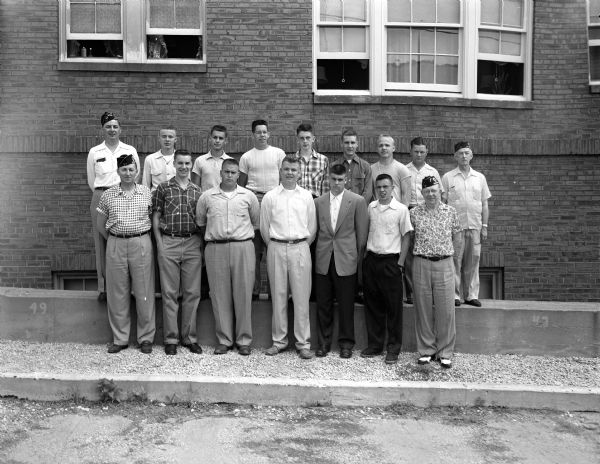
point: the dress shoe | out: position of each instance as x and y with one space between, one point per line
255 296
274 350
102 296
321 352
426 359
391 358
445 363
474 302
305 353
244 350
370 352
170 349
409 300
193 347
221 349
456 302
146 347
113 348
345 353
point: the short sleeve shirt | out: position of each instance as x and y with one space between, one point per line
262 168
416 181
434 230
466 194
127 212
209 169
387 225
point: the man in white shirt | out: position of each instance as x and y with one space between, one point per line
159 166
206 172
259 172
387 245
396 170
288 227
101 175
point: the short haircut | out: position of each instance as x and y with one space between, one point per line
338 169
386 136
349 132
231 161
181 152
219 128
305 127
417 141
384 177
169 127
290 160
259 122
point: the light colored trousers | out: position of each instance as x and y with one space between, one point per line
466 265
289 268
180 268
230 270
434 306
99 241
130 266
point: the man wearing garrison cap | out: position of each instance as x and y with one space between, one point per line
124 213
437 233
467 191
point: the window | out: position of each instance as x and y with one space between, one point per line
594 40
132 32
75 280
491 283
464 48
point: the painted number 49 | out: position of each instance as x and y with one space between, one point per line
41 308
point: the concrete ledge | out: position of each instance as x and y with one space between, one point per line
288 392
499 327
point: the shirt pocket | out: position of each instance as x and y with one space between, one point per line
104 166
158 174
358 182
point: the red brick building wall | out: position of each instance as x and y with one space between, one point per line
541 158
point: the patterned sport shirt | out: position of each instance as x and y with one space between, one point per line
177 207
434 229
314 174
128 213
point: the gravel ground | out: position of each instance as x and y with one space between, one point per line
72 358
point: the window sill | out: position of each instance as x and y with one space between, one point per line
133 67
419 100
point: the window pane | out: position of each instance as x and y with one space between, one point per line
398 10
83 18
594 33
355 10
490 12
512 14
423 41
424 11
446 69
398 40
398 68
511 43
489 42
343 74
330 39
594 63
594 11
447 41
95 48
175 46
162 14
187 14
331 10
448 11
355 39
500 78
422 69
108 18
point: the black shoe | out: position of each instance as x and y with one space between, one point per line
221 349
244 350
146 347
345 353
194 348
474 302
321 352
116 348
255 296
457 302
409 300
102 296
170 349
370 352
391 358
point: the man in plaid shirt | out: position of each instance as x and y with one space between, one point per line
178 246
314 167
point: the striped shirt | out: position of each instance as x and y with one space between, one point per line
128 213
314 173
177 207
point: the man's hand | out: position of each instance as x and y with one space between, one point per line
484 233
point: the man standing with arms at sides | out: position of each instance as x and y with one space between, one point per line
418 169
387 245
342 228
467 191
124 221
358 178
159 167
259 172
437 234
229 216
388 165
314 167
178 245
101 175
288 226
207 168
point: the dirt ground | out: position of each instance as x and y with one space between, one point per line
142 432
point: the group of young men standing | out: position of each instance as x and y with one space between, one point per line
228 212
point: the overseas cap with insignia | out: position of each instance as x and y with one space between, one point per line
460 145
125 160
429 181
107 117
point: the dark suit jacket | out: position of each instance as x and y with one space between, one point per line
349 239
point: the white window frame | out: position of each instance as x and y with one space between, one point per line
134 30
468 55
591 43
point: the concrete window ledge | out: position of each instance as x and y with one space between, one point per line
133 67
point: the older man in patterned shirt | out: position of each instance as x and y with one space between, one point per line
436 235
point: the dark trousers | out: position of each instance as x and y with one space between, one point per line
382 281
342 288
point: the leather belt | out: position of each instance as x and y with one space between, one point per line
141 234
177 235
228 241
385 255
433 258
289 242
101 188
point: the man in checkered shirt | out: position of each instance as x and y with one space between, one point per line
124 221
